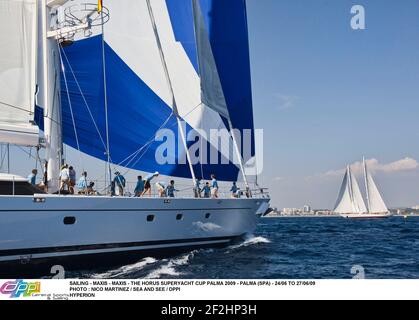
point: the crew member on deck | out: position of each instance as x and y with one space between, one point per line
170 190
161 187
206 190
45 177
139 188
64 178
234 191
147 185
32 177
119 182
82 184
197 189
214 186
90 189
72 174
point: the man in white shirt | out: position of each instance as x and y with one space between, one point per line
64 178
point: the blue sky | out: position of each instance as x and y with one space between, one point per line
327 95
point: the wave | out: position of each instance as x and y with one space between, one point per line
123 271
250 240
169 268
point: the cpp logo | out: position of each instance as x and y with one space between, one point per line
20 288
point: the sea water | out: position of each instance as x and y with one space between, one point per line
294 248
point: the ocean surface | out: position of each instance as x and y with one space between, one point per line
295 248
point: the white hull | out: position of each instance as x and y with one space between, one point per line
366 215
34 229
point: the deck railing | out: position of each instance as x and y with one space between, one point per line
183 190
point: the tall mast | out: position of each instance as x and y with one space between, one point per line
108 153
52 114
367 185
169 82
351 193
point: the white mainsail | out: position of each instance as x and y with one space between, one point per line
18 22
375 201
350 198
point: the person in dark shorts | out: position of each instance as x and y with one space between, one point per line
147 184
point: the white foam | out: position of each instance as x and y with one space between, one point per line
170 267
125 269
251 241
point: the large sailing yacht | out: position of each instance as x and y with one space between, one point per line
350 203
104 80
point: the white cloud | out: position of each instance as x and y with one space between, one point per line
285 101
406 164
279 179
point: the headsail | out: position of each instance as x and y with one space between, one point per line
350 198
214 33
212 94
18 22
344 202
139 100
375 201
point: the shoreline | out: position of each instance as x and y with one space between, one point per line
330 216
307 216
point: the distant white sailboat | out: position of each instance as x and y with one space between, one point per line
350 203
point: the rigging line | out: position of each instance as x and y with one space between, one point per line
108 153
16 107
146 147
84 100
241 159
70 104
153 139
202 148
37 158
3 156
58 123
134 154
169 82
27 152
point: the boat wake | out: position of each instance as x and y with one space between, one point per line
250 240
169 266
151 268
144 268
125 270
